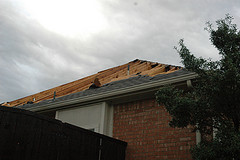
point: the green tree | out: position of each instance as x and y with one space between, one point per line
213 104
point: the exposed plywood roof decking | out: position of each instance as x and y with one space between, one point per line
125 71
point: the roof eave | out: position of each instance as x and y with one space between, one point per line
111 94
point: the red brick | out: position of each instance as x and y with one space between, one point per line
144 125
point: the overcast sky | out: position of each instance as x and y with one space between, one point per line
46 43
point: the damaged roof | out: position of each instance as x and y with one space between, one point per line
132 73
111 87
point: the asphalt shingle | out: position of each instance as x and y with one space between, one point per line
121 84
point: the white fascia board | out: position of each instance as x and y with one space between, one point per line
117 92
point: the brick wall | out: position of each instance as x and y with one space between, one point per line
144 126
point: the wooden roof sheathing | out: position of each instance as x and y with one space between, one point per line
121 72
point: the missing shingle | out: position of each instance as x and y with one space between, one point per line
154 65
142 62
29 102
136 60
95 84
167 68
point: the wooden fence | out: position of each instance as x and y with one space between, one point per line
25 135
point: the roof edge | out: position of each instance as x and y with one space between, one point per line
111 94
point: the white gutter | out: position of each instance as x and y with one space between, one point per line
117 92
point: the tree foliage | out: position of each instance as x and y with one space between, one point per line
213 104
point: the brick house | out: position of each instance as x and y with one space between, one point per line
120 102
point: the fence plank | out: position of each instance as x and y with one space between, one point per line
25 135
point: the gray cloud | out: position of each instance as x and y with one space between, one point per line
34 58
